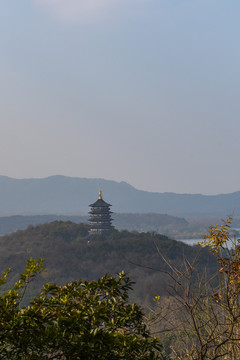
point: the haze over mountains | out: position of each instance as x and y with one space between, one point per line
66 195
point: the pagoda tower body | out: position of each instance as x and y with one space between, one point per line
100 217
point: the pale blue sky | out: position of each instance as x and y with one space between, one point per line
145 91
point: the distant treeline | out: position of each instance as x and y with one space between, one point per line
171 226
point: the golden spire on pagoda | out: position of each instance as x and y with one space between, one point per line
100 193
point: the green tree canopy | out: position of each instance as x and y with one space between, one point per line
80 320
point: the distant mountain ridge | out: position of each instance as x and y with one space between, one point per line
68 195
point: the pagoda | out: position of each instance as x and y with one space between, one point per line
100 217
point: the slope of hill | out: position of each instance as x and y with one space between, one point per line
10 224
69 255
65 195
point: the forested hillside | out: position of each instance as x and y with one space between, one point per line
70 254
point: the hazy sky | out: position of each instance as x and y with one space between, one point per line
144 91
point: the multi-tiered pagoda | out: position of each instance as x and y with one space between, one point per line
100 217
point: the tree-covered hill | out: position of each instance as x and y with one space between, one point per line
70 254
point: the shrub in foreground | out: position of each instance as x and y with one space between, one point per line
81 320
